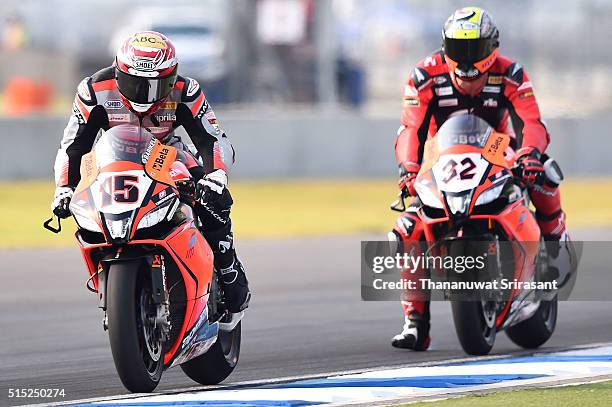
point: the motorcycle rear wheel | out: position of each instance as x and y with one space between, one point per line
219 361
138 355
535 331
475 325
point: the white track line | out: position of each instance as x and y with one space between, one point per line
444 394
253 383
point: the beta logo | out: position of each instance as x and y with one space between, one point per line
113 104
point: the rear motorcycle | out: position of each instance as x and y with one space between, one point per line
149 264
470 204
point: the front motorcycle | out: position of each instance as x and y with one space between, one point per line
472 206
149 264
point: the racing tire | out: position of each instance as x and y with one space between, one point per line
535 331
219 361
125 285
475 325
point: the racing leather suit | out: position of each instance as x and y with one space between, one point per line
98 106
430 98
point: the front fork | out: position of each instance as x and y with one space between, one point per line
155 263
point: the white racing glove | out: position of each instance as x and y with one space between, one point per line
61 202
213 183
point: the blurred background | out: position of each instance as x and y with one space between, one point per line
346 52
305 89
295 77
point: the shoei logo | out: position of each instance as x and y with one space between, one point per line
145 65
113 104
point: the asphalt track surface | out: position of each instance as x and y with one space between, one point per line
306 317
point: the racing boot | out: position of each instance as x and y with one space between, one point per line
562 263
232 277
562 254
415 334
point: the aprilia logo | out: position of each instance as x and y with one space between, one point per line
166 118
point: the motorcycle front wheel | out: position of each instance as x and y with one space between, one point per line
475 325
135 344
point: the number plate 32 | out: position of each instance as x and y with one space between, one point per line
459 172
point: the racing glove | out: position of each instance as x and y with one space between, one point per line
187 190
528 166
61 202
212 187
407 175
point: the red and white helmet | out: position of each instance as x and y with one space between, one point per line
145 70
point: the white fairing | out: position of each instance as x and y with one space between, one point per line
102 183
447 171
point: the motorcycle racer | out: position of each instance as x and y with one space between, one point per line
468 75
143 88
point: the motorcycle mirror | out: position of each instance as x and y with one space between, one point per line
399 205
47 224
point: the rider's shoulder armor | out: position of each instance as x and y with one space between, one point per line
427 69
93 91
85 92
103 88
511 71
191 95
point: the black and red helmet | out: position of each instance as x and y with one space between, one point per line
471 42
145 70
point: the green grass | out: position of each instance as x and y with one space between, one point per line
585 395
283 208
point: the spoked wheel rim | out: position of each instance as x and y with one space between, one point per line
151 345
489 314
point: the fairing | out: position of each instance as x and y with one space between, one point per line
126 178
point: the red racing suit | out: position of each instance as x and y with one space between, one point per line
98 106
430 98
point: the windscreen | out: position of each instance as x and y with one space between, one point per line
465 129
122 143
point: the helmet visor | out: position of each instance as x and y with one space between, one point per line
144 90
465 51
